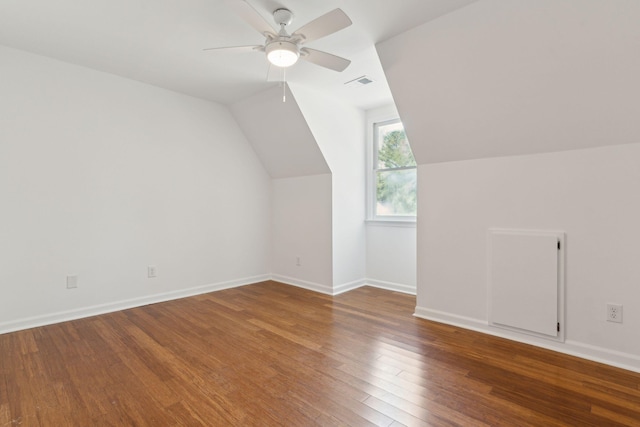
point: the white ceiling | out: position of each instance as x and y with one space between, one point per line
160 42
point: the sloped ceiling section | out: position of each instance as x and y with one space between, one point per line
160 42
501 78
279 134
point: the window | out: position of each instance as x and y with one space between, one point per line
394 176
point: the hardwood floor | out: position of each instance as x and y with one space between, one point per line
271 354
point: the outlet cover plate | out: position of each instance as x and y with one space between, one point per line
152 271
72 281
614 313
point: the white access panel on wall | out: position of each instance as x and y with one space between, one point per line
526 289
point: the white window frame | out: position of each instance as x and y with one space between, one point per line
379 117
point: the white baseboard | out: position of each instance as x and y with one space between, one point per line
317 287
64 316
79 313
346 287
390 286
618 359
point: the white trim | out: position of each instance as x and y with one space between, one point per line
390 286
618 359
405 223
80 313
346 287
381 114
317 287
64 316
628 361
377 116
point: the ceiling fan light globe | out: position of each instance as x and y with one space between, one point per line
282 53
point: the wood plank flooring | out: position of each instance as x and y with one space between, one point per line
270 354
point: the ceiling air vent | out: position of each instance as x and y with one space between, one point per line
359 81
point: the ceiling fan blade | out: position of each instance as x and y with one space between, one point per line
251 16
324 59
237 48
326 24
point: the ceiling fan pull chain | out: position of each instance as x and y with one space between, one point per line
284 85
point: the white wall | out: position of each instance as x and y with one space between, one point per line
301 190
391 257
526 77
590 194
338 130
102 176
301 228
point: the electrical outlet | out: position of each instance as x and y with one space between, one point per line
72 282
614 313
298 261
152 271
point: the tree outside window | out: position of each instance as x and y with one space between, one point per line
395 171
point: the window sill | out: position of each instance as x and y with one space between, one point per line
404 223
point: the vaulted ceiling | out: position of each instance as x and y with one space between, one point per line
503 78
160 42
471 79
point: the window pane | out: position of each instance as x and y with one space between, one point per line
393 147
396 192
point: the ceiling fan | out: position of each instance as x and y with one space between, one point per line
284 49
